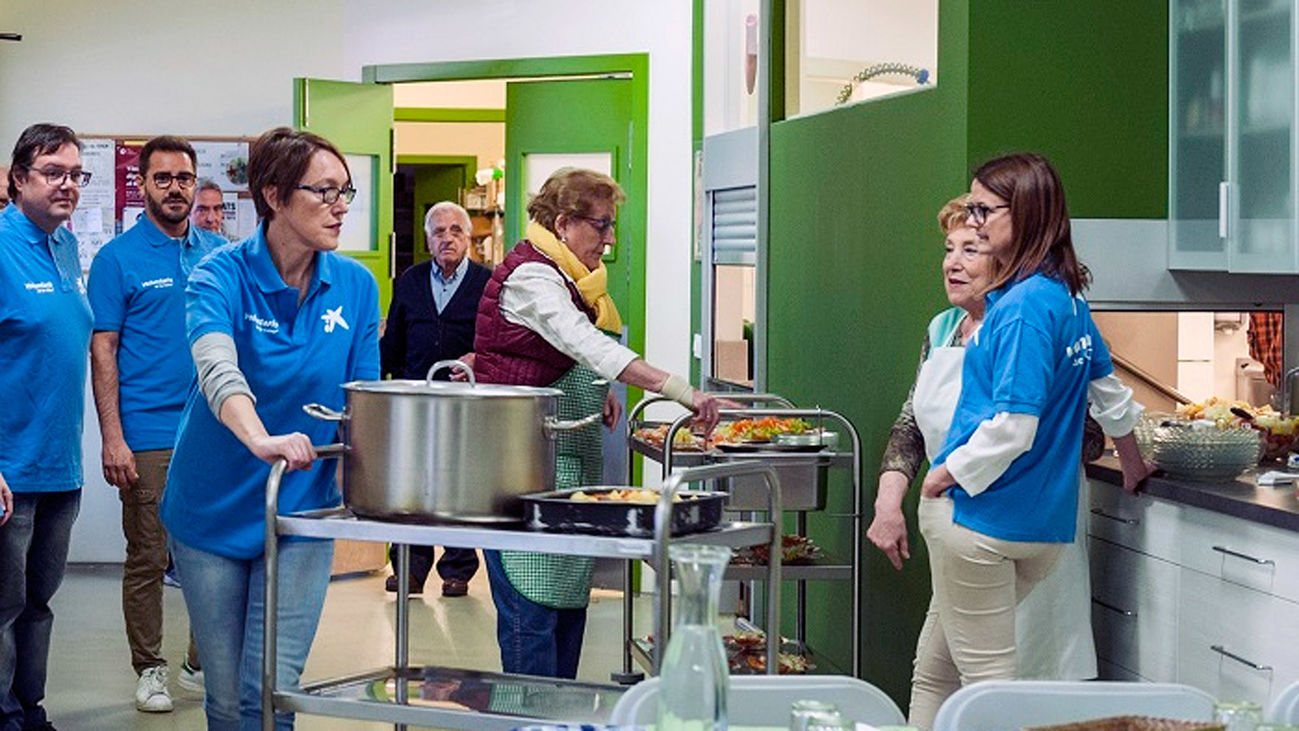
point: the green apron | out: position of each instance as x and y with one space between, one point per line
564 582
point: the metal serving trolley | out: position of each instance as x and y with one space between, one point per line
489 700
802 480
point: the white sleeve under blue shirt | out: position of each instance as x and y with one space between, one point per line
291 354
44 340
1035 355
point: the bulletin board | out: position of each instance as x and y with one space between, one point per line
112 201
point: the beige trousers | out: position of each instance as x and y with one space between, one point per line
969 630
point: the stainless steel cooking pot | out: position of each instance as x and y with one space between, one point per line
445 451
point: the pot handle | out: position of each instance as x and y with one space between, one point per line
324 413
452 363
553 425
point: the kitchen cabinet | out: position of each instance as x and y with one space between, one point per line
1189 595
1232 151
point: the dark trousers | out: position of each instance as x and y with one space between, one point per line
456 563
33 556
534 639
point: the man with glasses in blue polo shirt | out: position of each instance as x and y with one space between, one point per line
141 370
44 331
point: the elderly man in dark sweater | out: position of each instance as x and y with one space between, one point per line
431 318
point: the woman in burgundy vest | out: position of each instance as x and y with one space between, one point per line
546 319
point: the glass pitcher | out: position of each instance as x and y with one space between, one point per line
694 674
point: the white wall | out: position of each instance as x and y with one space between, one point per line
148 67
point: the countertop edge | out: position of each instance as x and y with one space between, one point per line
1241 498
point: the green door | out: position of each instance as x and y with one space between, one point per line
357 118
589 123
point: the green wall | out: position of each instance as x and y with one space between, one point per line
854 279
1085 82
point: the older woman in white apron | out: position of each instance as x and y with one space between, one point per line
1053 622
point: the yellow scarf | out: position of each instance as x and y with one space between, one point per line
592 285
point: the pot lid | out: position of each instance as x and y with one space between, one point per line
451 389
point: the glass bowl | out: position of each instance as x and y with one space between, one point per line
1199 450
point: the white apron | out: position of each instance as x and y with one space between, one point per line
1053 631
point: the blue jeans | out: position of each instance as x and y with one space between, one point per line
33 555
534 639
225 601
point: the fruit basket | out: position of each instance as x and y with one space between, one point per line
1279 431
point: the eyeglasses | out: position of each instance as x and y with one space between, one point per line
601 225
164 180
978 212
330 194
56 176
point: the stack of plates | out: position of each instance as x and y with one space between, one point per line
1198 451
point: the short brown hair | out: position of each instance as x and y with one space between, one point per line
279 159
572 192
1039 220
165 143
953 215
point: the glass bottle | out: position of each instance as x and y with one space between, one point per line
694 674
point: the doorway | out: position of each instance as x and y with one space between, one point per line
419 183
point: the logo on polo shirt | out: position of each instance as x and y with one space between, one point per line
334 317
40 287
159 283
264 325
1080 351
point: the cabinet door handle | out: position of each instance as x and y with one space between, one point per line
1228 653
1116 518
1224 198
1237 554
1112 608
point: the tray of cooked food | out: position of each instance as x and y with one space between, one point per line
796 550
746 654
620 511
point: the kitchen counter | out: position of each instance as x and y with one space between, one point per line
1241 498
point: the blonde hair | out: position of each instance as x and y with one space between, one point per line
953 215
572 192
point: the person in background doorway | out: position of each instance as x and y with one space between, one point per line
1053 624
1265 342
274 322
543 321
1001 495
141 371
431 318
4 189
209 208
44 334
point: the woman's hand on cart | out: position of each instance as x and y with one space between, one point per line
295 448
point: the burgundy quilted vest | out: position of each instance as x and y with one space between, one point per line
509 353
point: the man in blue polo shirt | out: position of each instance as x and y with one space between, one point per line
44 331
142 370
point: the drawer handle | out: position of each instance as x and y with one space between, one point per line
1228 653
1116 518
1237 554
1112 608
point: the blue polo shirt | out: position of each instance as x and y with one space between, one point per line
445 288
137 289
1034 354
291 354
44 341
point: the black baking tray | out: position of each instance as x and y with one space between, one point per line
557 512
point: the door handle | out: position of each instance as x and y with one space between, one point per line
1116 518
1245 556
1224 200
1112 608
1229 654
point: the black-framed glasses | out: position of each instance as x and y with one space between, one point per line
55 176
330 194
601 225
164 180
979 212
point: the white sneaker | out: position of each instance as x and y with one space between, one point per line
151 694
189 678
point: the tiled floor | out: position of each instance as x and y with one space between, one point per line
91 685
